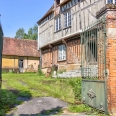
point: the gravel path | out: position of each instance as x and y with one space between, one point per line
41 105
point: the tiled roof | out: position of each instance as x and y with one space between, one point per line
20 47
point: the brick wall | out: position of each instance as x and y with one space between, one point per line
50 56
47 58
73 51
111 61
111 66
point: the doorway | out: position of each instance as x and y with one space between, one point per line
21 65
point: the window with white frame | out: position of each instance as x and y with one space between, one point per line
111 1
67 19
58 23
69 5
61 52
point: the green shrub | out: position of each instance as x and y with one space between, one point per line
7 101
76 88
61 71
79 108
29 72
40 73
85 109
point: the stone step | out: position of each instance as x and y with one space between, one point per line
77 73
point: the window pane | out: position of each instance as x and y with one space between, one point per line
73 2
57 24
110 1
67 19
62 52
58 53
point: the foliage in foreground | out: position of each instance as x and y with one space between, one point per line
86 109
76 85
40 73
7 101
79 108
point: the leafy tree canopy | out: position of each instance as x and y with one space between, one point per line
20 33
32 33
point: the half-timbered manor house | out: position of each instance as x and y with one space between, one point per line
60 32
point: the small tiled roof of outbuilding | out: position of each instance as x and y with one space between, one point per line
20 47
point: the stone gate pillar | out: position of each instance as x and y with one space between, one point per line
111 60
110 13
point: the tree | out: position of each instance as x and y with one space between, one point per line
32 33
20 33
25 36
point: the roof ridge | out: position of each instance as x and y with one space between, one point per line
19 39
50 9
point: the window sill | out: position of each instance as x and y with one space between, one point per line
63 29
61 60
57 31
67 27
93 63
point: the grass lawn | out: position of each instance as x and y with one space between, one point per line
31 85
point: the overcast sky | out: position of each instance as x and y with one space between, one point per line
16 14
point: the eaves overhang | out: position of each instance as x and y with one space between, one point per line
51 10
62 38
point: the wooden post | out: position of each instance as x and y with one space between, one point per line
40 61
1 46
